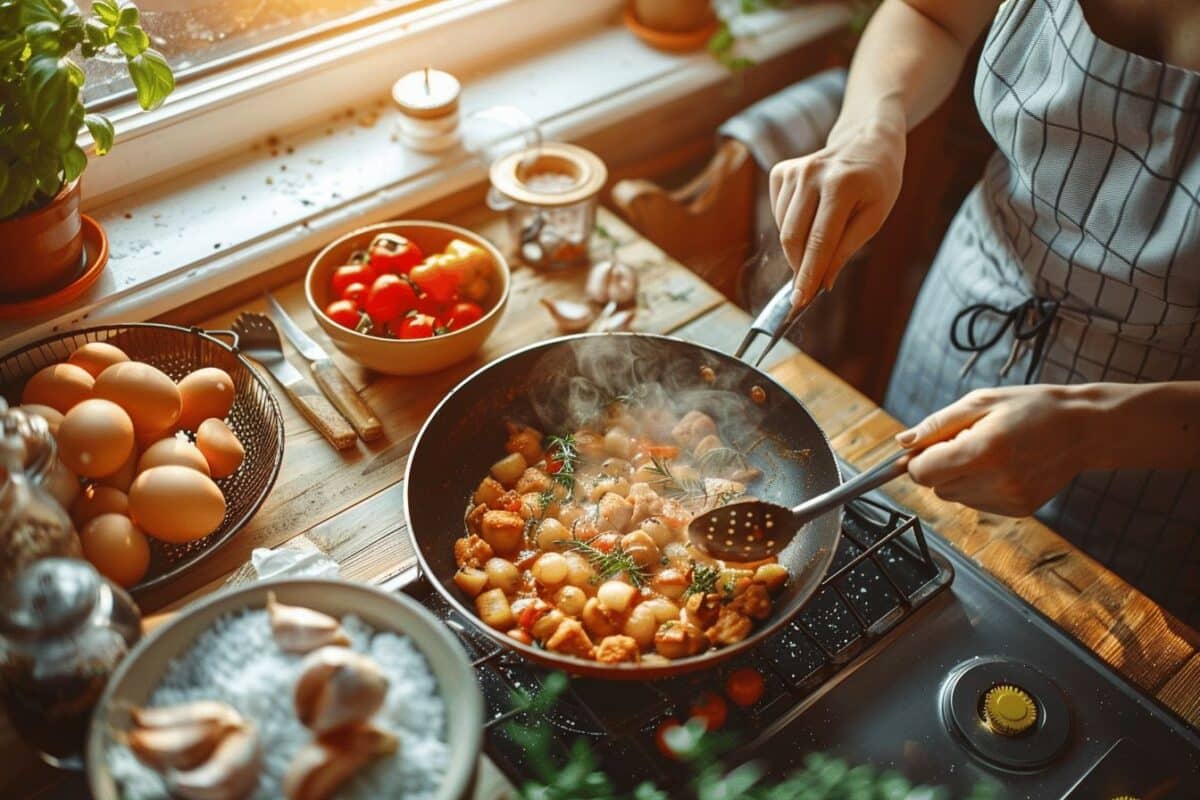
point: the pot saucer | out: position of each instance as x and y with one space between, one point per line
671 41
95 252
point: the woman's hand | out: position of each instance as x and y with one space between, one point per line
829 203
1007 450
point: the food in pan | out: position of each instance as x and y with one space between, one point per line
577 543
392 289
125 434
287 702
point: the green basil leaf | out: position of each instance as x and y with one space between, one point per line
65 139
153 78
74 73
43 37
97 33
102 132
18 192
106 10
3 176
32 11
49 94
132 41
128 16
11 48
74 162
47 167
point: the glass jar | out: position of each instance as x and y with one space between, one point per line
549 195
63 630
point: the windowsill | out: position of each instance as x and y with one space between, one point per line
212 227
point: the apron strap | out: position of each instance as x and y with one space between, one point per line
1031 322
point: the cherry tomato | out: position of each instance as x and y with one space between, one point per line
351 273
461 315
428 306
391 252
389 297
660 738
418 326
435 279
712 709
532 613
553 465
355 293
344 313
745 686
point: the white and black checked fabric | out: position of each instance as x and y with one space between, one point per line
1089 212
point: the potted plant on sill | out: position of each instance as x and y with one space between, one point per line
42 115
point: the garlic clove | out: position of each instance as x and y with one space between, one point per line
322 766
302 630
230 773
181 746
570 316
620 321
622 283
182 714
596 287
336 687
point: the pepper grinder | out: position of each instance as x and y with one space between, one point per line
428 102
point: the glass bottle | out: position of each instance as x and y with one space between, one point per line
63 631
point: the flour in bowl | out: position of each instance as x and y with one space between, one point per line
237 661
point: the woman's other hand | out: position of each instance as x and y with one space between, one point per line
1007 450
830 203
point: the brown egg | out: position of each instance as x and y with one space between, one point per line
96 500
176 504
220 447
124 474
146 393
207 392
179 452
52 416
62 484
95 438
116 547
60 386
95 357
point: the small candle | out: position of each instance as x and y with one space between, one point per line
428 102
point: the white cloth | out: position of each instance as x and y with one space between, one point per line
792 122
293 563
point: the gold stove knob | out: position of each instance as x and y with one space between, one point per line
1008 710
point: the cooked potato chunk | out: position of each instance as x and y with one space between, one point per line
671 583
615 512
773 576
618 486
753 601
471 551
615 649
475 518
641 624
502 574
550 569
533 480
524 440
616 595
489 493
662 533
493 608
617 442
642 548
571 639
545 626
470 580
703 609
503 530
549 533
730 628
509 469
599 619
570 600
679 640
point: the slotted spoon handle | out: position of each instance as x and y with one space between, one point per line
877 476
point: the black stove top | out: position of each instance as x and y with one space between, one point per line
887 664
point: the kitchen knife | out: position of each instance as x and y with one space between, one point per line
332 381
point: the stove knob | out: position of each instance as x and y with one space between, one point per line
1008 710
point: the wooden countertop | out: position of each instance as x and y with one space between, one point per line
349 505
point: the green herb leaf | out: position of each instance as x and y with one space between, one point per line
106 10
132 41
610 564
102 132
564 450
704 580
128 16
153 78
49 94
74 163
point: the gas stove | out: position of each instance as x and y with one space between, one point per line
910 658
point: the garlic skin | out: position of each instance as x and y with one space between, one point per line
570 316
179 736
322 766
230 773
620 321
302 630
336 687
197 711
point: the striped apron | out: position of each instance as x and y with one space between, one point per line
1076 259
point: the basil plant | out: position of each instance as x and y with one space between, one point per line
41 114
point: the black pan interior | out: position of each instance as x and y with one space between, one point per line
547 386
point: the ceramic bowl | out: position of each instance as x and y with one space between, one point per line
139 673
405 356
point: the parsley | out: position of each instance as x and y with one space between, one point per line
704 580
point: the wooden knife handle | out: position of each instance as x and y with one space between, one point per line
323 416
343 395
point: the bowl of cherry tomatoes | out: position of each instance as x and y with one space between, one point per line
408 298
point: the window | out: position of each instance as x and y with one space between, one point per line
199 37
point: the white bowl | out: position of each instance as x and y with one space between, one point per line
139 674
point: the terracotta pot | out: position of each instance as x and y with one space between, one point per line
674 16
43 249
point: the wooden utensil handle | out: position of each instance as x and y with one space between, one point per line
343 395
321 413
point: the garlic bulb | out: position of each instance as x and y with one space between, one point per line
336 687
230 773
302 630
179 736
321 767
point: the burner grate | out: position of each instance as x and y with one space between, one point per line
882 573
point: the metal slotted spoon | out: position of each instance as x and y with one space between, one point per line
756 529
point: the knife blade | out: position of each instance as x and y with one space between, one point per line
333 381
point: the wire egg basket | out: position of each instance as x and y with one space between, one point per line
255 419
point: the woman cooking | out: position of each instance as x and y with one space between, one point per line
1052 361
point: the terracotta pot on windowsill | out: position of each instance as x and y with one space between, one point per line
43 249
675 25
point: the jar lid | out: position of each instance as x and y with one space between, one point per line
556 174
427 93
50 597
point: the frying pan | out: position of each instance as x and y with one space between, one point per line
542 386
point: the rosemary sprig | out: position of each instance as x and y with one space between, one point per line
671 485
610 564
721 459
704 580
568 455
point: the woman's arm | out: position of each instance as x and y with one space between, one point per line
828 204
1009 450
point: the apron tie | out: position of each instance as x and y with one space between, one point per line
1031 322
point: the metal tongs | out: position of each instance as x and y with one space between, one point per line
776 320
